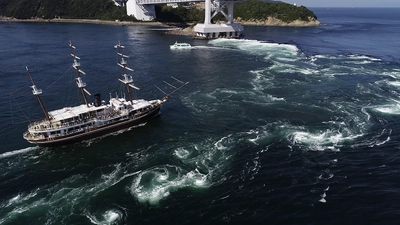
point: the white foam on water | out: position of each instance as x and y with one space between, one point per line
198 179
257 136
15 199
205 47
201 102
181 153
394 83
362 62
153 185
378 140
260 83
275 99
17 152
326 189
364 57
18 207
393 109
351 57
264 79
285 52
312 58
204 160
292 69
220 144
109 217
204 165
261 80
321 177
62 198
348 65
331 139
381 142
307 71
325 57
19 198
327 140
208 103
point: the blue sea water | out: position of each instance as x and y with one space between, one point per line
286 126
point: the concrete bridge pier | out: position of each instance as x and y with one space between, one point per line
209 30
143 12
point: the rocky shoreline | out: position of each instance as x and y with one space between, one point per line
271 21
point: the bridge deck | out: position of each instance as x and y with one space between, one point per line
153 2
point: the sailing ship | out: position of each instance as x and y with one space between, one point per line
92 120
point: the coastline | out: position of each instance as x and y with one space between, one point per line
272 21
91 21
188 30
181 29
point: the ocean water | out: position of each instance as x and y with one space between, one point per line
286 126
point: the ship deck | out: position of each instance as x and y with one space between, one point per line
71 112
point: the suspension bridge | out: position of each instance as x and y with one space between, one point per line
144 10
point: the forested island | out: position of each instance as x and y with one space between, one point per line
252 12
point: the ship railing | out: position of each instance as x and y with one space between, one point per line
40 125
29 136
45 125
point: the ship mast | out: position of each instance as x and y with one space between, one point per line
37 92
176 88
79 80
127 78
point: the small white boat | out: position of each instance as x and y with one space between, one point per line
180 46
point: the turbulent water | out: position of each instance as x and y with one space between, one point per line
287 126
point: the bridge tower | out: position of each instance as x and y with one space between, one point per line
144 10
209 30
141 10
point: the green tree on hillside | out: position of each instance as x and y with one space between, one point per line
107 10
77 9
255 9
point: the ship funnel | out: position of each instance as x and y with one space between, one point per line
97 100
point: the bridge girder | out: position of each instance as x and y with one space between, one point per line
135 7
